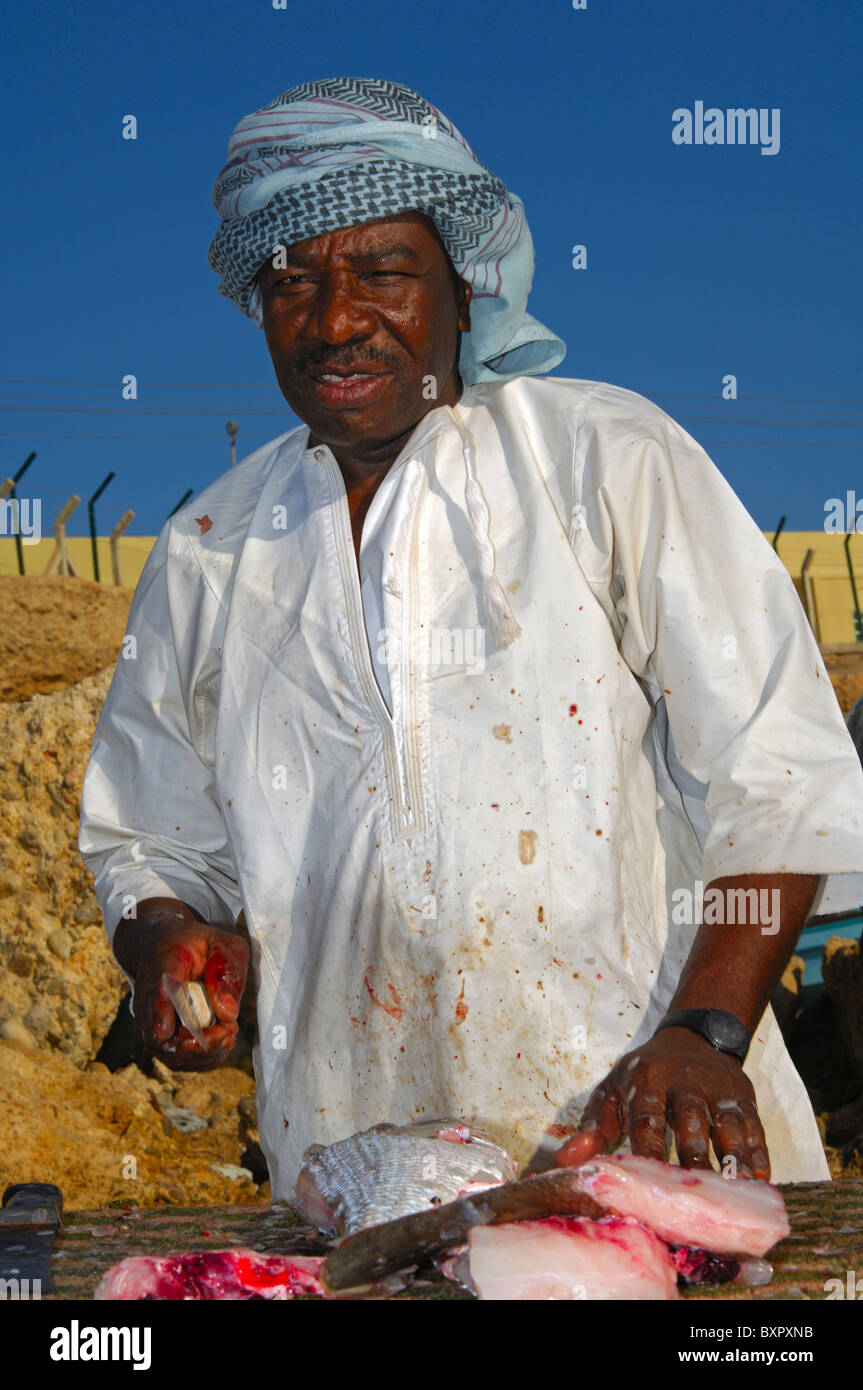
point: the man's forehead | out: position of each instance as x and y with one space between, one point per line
407 231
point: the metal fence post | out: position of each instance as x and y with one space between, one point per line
60 555
92 516
115 536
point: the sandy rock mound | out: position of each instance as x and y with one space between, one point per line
59 983
169 1138
180 1138
55 631
845 670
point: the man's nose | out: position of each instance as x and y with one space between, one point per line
339 313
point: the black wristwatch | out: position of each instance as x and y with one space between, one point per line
725 1032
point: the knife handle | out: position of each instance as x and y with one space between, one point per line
24 1197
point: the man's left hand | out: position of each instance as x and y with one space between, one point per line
676 1079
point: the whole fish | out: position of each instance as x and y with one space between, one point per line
391 1171
696 1209
374 1254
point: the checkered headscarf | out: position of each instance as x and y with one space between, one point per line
332 154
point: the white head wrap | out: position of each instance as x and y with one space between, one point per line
341 152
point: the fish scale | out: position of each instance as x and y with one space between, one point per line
387 1172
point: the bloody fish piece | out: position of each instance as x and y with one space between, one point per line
389 1171
191 1004
203 1276
561 1258
372 1254
688 1206
702 1269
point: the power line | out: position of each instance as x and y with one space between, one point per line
36 401
116 384
819 400
783 424
131 408
153 438
814 444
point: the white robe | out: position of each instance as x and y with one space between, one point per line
464 905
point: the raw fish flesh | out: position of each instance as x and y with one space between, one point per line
372 1254
713 1217
213 1274
388 1172
702 1269
570 1259
192 1005
601 1230
688 1206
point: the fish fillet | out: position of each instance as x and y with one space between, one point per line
212 1274
688 1206
388 1172
562 1258
380 1251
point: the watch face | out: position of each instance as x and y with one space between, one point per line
725 1031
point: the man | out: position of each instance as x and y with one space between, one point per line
460 692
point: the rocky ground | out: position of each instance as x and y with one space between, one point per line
101 1135
56 631
846 673
76 1109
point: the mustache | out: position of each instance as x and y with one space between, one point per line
345 357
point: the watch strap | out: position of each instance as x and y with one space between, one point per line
722 1030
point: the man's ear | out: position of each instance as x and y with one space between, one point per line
464 307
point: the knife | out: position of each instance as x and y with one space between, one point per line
371 1254
29 1217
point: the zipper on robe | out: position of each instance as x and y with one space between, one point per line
411 668
404 784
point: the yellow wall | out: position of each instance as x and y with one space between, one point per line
834 602
829 570
132 550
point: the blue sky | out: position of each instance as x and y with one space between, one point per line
701 260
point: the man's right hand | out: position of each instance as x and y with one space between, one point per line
168 937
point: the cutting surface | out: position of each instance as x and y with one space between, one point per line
826 1241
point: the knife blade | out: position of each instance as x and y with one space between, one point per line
370 1255
29 1217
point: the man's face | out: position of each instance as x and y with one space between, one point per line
358 322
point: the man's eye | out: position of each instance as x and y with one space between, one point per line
292 280
387 275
